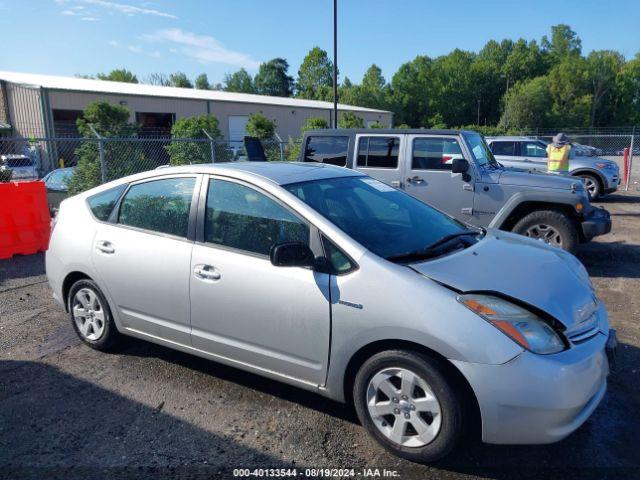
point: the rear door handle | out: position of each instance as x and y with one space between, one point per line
105 247
206 272
416 180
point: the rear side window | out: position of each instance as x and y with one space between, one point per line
102 204
378 152
245 219
327 149
18 162
159 205
435 153
533 149
504 148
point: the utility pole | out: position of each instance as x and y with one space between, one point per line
335 63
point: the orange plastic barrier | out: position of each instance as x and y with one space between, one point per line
25 224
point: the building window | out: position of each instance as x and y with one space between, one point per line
153 124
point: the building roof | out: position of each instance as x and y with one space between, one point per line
104 86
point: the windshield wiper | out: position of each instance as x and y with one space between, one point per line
436 248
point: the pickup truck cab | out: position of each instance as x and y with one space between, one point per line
600 176
455 171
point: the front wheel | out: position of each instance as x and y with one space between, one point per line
405 402
591 185
550 226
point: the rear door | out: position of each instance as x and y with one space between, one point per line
534 153
428 176
378 155
142 256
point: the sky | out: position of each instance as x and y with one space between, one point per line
69 37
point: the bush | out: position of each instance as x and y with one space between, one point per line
184 153
350 120
261 127
121 157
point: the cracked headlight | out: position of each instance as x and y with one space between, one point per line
522 326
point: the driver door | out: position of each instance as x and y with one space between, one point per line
535 154
243 308
428 175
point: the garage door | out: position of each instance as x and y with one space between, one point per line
237 128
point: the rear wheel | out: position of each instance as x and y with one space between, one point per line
405 402
90 315
551 226
592 185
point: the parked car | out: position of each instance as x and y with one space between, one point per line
57 184
599 175
472 186
23 167
327 279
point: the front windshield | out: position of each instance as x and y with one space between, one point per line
386 221
480 150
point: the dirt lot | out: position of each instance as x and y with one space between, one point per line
67 411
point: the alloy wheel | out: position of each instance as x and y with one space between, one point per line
88 313
403 407
591 186
546 233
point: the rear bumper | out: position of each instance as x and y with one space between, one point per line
537 399
595 223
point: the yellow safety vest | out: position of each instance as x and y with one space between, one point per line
558 158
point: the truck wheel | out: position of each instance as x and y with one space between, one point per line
551 226
592 185
407 404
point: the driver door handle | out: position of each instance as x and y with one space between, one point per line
206 272
415 180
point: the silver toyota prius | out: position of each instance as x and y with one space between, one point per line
324 278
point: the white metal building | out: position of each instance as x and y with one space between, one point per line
47 106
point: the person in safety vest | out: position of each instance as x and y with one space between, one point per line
558 154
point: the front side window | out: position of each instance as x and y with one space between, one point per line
384 220
159 205
378 152
504 148
101 204
435 153
533 149
479 149
327 149
240 217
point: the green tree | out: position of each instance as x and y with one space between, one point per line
411 88
527 105
202 82
272 79
119 75
564 42
159 79
315 76
569 87
349 120
261 127
239 81
628 94
121 157
183 153
180 80
603 68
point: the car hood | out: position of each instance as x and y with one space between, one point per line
527 178
524 269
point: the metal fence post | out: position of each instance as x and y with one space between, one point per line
212 145
628 179
103 166
280 143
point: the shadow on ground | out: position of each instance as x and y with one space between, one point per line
53 425
21 266
611 259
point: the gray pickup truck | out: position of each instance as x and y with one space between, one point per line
456 172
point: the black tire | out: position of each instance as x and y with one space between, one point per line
109 335
594 185
550 220
449 399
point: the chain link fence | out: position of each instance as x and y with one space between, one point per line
111 158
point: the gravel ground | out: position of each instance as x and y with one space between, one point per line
67 411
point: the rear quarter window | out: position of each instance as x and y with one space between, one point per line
101 204
327 149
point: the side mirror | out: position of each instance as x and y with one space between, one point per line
459 165
291 254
